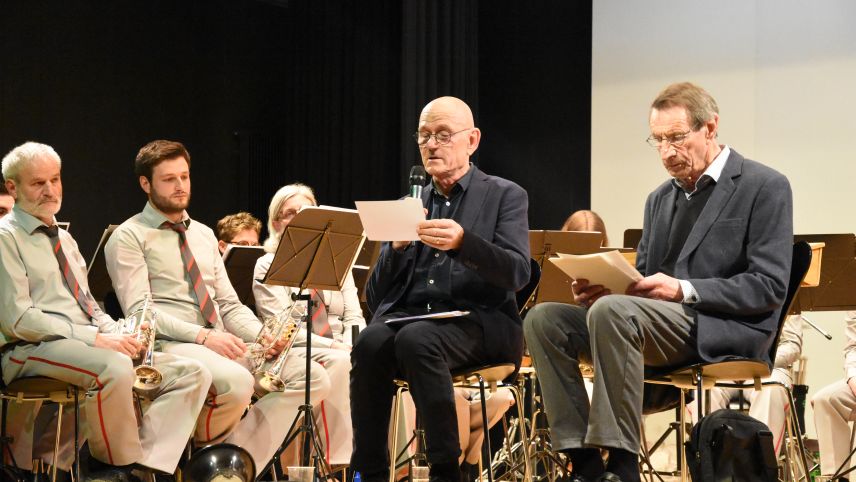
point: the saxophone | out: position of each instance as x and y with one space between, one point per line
143 325
282 326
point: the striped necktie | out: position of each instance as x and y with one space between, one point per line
206 306
320 324
85 300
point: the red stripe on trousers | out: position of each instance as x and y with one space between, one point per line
326 431
208 418
100 386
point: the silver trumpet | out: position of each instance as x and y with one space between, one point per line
143 325
282 326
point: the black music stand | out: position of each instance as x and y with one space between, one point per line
240 262
543 244
316 250
97 275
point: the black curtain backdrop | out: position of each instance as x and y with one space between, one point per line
265 93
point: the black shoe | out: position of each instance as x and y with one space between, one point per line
113 474
382 476
608 477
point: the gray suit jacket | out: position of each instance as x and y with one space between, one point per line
737 256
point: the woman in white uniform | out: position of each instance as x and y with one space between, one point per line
333 348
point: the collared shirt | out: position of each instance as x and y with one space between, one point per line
142 257
850 345
343 307
713 171
431 285
35 303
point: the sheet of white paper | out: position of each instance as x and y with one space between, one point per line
391 220
430 316
609 269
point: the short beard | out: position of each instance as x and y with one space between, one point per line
166 205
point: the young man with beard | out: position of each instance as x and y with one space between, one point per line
51 326
163 252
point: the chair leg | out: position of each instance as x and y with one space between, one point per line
682 435
486 446
4 438
794 426
393 449
524 434
56 441
76 466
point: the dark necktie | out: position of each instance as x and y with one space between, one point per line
84 299
320 324
206 306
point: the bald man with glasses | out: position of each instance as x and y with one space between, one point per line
472 254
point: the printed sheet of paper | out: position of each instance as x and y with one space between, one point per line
391 220
610 269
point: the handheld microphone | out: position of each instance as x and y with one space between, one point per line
417 180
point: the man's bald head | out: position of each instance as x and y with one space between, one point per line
451 109
447 138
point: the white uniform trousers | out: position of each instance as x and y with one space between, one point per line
108 416
769 405
264 427
834 406
334 411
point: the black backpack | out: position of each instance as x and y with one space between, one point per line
730 446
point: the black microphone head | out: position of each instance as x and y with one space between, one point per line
417 175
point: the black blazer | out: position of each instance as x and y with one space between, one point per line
490 266
737 256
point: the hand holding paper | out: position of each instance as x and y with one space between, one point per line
391 220
610 269
658 287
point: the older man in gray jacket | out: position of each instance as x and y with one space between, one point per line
716 255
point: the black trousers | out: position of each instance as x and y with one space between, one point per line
423 353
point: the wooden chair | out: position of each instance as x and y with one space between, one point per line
703 376
41 389
482 377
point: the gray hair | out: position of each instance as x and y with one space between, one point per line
282 195
700 105
23 155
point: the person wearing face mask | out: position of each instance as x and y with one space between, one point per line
715 254
332 329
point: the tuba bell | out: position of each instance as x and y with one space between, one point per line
143 325
221 462
282 326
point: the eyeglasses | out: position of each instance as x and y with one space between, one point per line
441 138
675 140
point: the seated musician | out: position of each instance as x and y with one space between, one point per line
334 316
472 254
51 326
715 255
585 220
162 251
6 201
834 407
241 229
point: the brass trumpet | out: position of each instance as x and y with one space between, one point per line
282 326
143 325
